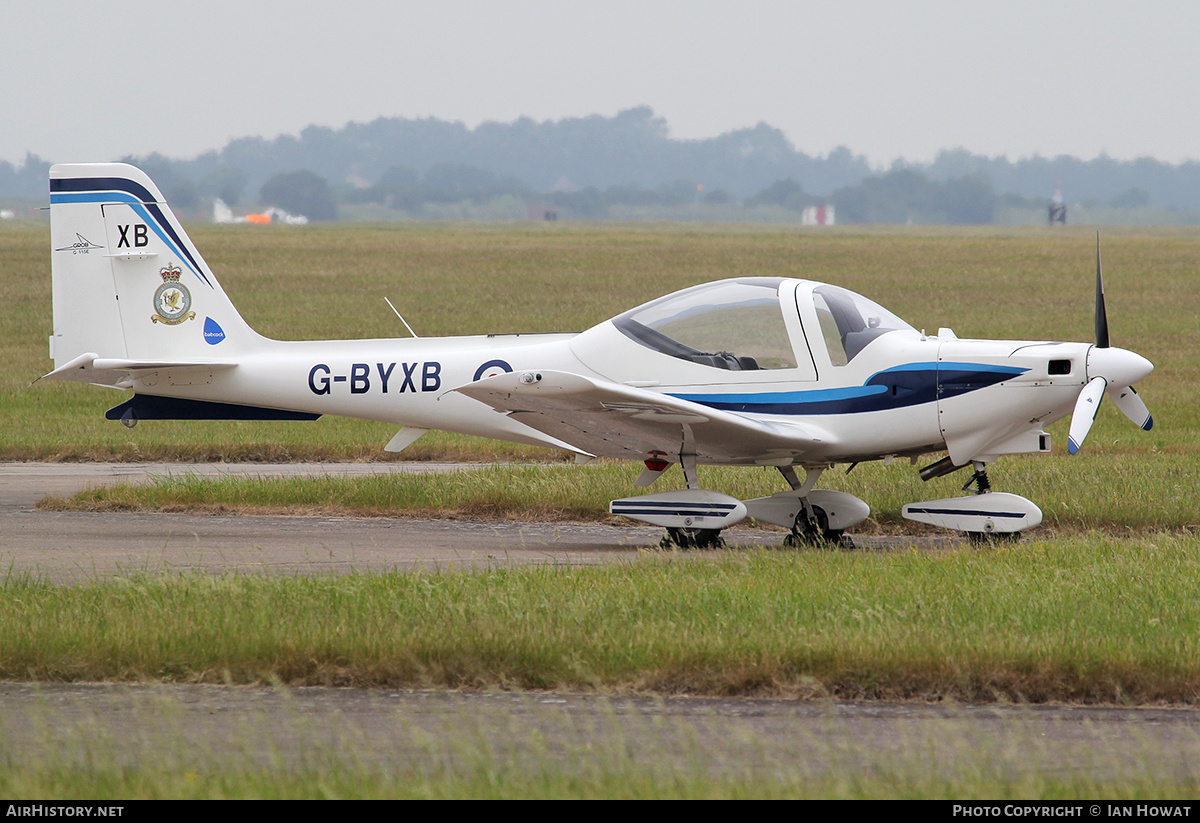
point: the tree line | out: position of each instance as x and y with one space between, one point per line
620 167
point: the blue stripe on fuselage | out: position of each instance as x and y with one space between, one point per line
908 385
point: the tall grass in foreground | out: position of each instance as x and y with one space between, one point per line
1085 619
481 779
516 751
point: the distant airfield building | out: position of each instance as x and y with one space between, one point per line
817 216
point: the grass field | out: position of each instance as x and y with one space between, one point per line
1097 606
535 492
328 281
1092 619
541 746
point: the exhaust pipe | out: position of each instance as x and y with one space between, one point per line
941 468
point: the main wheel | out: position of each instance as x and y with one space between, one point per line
815 531
692 539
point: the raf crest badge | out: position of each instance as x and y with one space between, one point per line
172 300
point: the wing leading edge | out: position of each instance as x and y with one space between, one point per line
612 420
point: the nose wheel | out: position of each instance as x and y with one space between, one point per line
992 538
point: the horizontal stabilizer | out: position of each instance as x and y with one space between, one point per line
110 371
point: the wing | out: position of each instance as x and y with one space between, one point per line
613 420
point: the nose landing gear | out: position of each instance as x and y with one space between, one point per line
985 516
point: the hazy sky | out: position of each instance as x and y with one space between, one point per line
91 81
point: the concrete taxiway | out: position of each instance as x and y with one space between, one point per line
794 740
65 547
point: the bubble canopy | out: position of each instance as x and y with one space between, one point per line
738 325
731 324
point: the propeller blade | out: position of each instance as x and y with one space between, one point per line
1085 413
1115 370
1101 314
1132 406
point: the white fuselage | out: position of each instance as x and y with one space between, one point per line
410 382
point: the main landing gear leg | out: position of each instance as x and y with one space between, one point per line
812 523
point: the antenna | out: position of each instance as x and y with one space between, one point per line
402 320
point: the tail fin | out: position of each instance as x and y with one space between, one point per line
128 284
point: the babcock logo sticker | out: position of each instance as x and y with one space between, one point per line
213 333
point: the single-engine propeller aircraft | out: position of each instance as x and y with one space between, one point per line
753 371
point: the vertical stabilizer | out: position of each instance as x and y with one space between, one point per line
127 281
